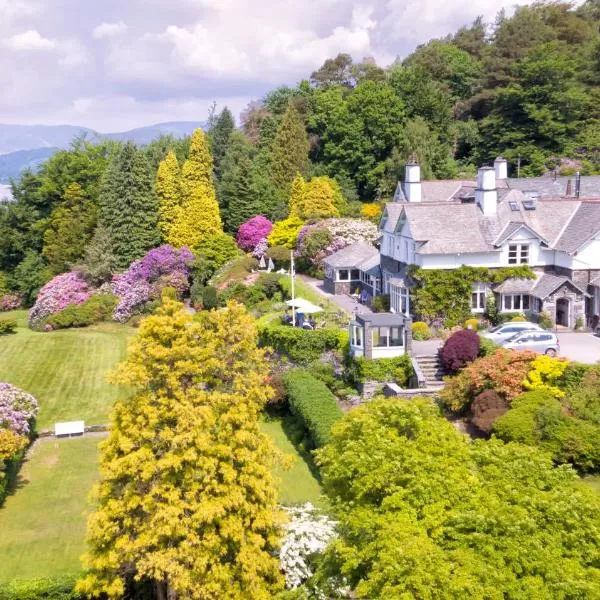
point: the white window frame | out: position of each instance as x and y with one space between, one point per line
479 294
357 336
510 306
388 337
520 254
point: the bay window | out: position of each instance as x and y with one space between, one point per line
515 302
386 337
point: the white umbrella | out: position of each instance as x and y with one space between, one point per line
304 306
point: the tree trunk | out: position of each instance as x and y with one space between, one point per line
161 590
171 593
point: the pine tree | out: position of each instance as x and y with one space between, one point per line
220 138
290 150
297 195
128 206
199 210
71 226
237 193
99 263
187 500
168 189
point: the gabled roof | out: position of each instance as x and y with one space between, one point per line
354 257
584 225
513 227
515 286
549 283
391 212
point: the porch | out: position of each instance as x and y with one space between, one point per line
380 335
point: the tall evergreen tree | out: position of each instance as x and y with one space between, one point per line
220 136
128 206
99 262
199 210
168 189
187 500
71 226
237 193
290 150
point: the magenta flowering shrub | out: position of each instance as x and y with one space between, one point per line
146 278
343 232
58 293
17 409
10 302
252 232
261 248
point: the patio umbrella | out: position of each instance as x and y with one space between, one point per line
304 306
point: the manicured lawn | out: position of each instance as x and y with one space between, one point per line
593 482
65 370
43 522
298 484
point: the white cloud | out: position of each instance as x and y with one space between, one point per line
73 54
29 40
17 8
108 30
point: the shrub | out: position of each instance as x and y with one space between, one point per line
280 256
545 374
252 232
301 345
420 331
486 346
10 302
312 402
18 409
459 349
397 369
8 326
519 318
212 252
285 233
98 308
472 324
371 211
48 588
545 320
486 408
503 371
381 303
209 297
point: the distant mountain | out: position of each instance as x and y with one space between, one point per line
27 146
14 163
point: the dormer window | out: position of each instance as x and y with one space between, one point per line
518 254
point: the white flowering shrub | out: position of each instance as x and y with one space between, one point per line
307 533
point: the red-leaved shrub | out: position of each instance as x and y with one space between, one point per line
460 348
486 408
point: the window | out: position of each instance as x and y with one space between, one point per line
355 275
357 336
385 337
515 302
518 254
343 275
478 296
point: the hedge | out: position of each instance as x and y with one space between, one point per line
8 474
98 308
382 369
7 326
47 588
302 345
312 402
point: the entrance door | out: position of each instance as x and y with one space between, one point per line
562 312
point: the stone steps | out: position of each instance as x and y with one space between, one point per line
432 370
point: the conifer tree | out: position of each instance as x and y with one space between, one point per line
128 205
71 227
99 262
290 150
168 189
220 138
320 198
237 192
187 500
199 210
297 195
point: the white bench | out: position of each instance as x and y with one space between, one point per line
69 428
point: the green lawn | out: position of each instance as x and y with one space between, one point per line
65 370
43 522
297 484
593 482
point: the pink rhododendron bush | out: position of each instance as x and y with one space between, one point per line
252 232
146 278
341 233
18 409
10 302
58 293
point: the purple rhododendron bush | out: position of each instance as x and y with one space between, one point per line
141 283
252 232
58 293
17 409
10 302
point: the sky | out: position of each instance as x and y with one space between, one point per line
118 64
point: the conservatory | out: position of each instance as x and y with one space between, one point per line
380 335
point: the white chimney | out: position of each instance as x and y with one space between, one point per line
501 167
412 182
486 195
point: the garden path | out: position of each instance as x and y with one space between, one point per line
345 302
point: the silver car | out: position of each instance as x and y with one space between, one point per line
544 342
503 332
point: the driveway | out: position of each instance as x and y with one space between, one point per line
581 347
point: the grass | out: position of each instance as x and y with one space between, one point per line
43 523
593 482
65 370
298 484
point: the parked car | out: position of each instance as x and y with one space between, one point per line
544 342
501 333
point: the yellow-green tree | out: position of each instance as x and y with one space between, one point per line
285 233
186 499
320 198
168 189
198 213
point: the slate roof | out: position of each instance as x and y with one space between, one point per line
584 224
550 187
381 319
354 257
549 283
393 210
515 286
